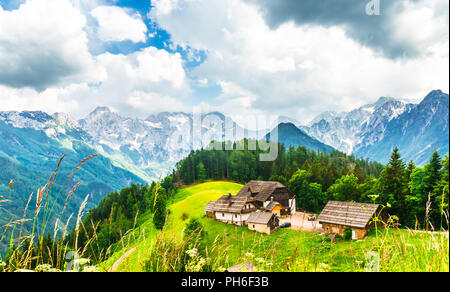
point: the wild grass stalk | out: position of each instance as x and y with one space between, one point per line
28 251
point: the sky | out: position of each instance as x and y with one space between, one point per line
243 58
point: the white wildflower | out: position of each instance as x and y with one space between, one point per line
43 268
2 265
91 269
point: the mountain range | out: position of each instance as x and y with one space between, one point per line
373 130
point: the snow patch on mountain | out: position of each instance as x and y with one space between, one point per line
348 131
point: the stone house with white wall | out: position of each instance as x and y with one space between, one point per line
271 197
233 210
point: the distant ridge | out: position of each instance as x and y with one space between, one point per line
290 135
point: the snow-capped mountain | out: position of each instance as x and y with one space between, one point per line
149 148
158 141
418 130
348 130
369 129
31 144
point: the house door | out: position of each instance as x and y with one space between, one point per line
354 235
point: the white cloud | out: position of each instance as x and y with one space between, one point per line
138 84
43 44
47 64
419 24
119 24
301 71
294 70
148 69
50 100
154 103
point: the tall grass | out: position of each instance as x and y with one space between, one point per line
29 249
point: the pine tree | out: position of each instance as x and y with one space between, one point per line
434 171
202 176
357 171
393 185
160 210
306 165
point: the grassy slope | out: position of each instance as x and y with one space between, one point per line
287 249
191 201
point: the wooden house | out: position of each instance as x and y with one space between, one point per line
263 193
338 216
263 222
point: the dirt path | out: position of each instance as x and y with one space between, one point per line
121 260
299 221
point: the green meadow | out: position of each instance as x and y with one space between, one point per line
285 250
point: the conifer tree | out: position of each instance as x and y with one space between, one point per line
201 172
434 171
160 209
393 185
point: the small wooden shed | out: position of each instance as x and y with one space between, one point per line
263 222
338 216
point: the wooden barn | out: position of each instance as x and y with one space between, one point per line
263 222
338 216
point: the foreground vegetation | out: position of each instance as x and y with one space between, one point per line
217 246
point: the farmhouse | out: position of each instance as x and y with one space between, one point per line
263 222
270 198
338 216
231 209
264 193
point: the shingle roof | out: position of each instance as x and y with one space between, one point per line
272 205
210 207
260 217
262 189
231 204
357 215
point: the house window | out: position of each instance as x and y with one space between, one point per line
235 216
223 214
253 226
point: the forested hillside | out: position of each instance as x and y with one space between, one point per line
317 177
